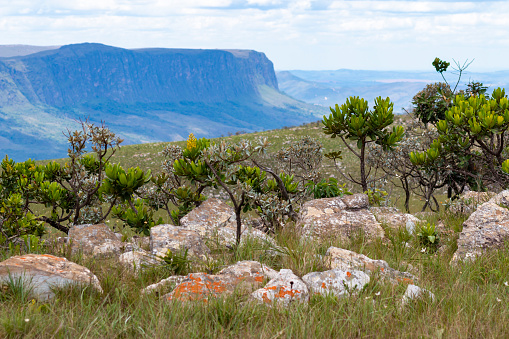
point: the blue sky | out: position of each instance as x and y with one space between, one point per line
294 34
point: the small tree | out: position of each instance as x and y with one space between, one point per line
472 141
354 121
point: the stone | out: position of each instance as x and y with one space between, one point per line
356 201
242 277
392 217
339 258
42 272
469 201
173 280
283 289
331 217
139 260
95 240
486 228
413 292
209 216
214 219
335 281
410 227
177 239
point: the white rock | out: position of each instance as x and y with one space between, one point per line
284 289
336 281
413 292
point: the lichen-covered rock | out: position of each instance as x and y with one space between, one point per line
332 217
249 268
413 292
209 216
139 260
243 277
283 289
95 240
392 217
487 227
468 202
356 201
336 281
228 235
42 272
177 239
160 286
347 260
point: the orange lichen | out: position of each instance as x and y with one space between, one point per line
348 274
323 285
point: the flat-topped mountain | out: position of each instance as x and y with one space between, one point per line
143 95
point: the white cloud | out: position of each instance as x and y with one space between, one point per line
295 34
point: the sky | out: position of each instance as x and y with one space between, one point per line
294 34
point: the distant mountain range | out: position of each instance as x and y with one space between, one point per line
143 95
327 88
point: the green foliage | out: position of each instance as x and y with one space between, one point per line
471 140
137 216
177 262
327 188
376 197
431 103
122 184
354 121
427 237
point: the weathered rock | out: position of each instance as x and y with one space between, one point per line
487 227
336 281
331 217
42 272
392 217
141 242
160 286
95 240
347 260
283 289
177 239
413 292
243 277
249 268
139 260
356 201
208 217
468 202
228 235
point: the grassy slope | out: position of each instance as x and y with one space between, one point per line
470 300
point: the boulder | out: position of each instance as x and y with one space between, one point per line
42 272
177 239
95 240
469 201
413 292
209 216
157 287
487 227
283 289
393 218
243 277
339 258
216 220
336 281
139 260
339 218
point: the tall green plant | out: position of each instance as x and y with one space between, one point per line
354 121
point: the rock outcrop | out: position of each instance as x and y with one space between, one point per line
393 218
283 289
177 239
487 227
40 273
243 277
95 240
339 258
336 281
339 218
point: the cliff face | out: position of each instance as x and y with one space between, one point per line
144 95
77 74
